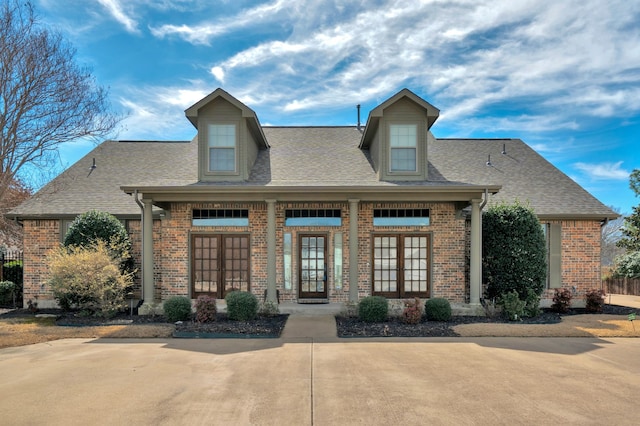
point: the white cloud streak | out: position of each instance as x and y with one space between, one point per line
604 171
114 7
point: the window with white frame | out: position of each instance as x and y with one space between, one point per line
222 147
403 145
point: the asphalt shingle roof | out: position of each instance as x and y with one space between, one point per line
310 156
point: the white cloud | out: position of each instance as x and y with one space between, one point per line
603 171
114 7
218 73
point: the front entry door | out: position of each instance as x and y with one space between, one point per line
313 267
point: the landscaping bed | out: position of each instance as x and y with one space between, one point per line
394 327
263 326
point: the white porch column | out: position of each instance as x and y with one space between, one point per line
353 250
147 252
271 250
475 265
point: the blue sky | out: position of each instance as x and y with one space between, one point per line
564 76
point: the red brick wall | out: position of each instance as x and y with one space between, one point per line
449 240
40 237
580 257
447 247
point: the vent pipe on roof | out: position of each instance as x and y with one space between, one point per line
358 108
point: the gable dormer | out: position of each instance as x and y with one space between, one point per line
229 137
397 135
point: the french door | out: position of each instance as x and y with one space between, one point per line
312 252
219 264
401 265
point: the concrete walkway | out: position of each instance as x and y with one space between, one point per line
310 377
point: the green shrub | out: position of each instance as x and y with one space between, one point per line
561 300
206 309
7 293
513 308
241 305
532 304
627 265
412 313
177 308
7 287
269 309
437 309
514 251
88 279
594 300
373 309
93 226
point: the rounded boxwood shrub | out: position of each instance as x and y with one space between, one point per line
177 308
373 309
93 226
514 251
241 305
437 309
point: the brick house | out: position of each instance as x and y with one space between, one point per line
314 214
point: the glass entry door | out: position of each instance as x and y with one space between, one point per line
313 266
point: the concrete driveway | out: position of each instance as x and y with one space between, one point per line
322 381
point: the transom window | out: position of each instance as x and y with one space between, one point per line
312 217
222 147
400 217
401 265
403 144
220 217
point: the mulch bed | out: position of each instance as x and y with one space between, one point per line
263 326
394 327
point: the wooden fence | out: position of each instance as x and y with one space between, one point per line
630 286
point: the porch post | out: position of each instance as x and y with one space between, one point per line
353 250
147 252
475 266
271 251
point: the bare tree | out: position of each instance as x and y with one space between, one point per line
10 231
609 238
46 99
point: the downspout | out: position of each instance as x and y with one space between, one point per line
139 203
484 203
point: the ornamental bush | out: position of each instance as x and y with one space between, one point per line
561 300
373 309
88 279
514 251
241 305
412 313
93 226
437 309
177 308
206 309
594 300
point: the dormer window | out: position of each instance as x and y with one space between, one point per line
403 145
222 147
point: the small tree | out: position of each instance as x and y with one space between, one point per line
514 251
93 226
631 229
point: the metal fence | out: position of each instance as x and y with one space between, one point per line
6 257
630 286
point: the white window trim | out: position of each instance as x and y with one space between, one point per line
210 148
414 147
